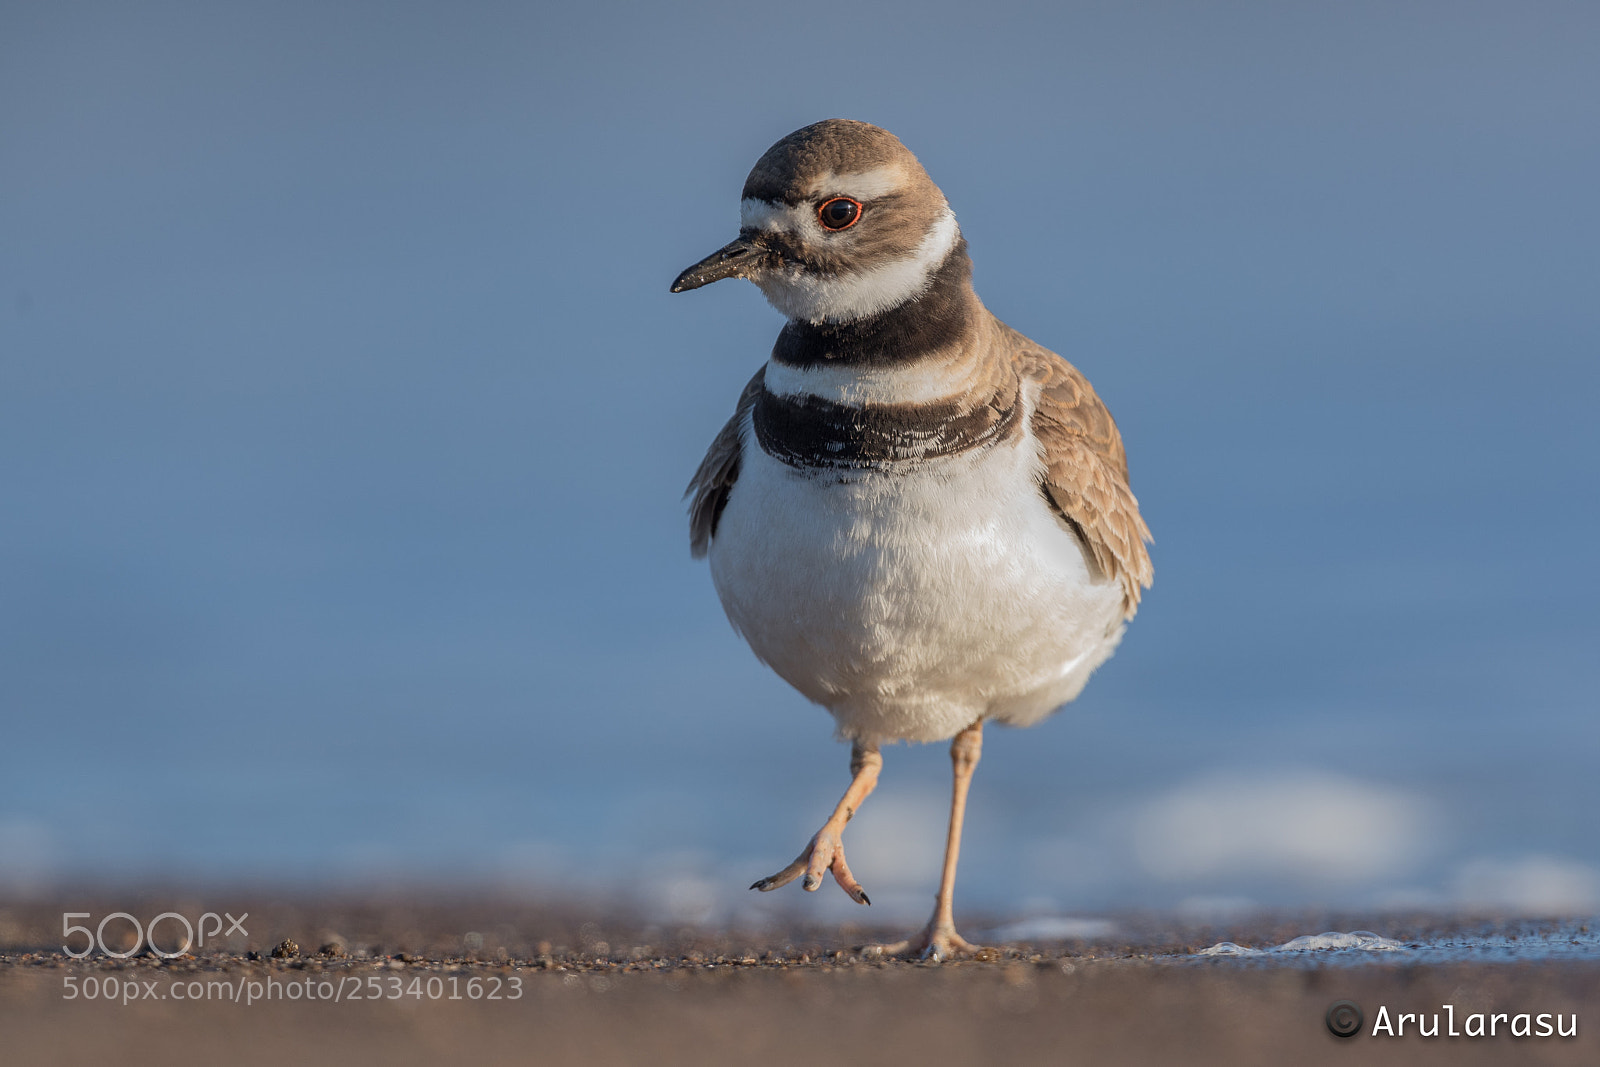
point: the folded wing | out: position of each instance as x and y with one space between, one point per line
711 484
1086 469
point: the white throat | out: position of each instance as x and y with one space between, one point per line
856 295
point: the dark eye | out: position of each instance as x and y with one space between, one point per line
840 213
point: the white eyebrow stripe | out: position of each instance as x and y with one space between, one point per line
862 185
770 215
778 217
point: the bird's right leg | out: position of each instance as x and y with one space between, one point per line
826 850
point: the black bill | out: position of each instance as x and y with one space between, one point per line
736 259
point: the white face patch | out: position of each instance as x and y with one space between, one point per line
858 294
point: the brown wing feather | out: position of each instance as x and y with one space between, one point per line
1086 469
718 471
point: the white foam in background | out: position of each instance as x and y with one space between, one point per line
1361 940
1530 885
1317 828
28 856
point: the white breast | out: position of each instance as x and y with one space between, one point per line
913 604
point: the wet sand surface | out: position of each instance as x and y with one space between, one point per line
450 981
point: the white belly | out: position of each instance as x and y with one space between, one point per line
912 605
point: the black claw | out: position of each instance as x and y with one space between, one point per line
760 883
812 881
866 899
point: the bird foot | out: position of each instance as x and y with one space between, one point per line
825 853
938 941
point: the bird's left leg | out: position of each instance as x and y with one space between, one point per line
939 939
826 850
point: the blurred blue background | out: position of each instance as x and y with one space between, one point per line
344 414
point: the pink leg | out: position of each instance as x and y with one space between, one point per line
939 939
826 850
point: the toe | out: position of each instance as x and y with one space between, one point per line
873 952
823 849
944 944
783 877
846 880
825 853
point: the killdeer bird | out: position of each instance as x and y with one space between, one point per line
916 516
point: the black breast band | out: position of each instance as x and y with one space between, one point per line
809 432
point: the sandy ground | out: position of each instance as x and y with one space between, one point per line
410 982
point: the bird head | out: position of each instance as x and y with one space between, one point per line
838 222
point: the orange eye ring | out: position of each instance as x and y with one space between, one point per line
833 214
